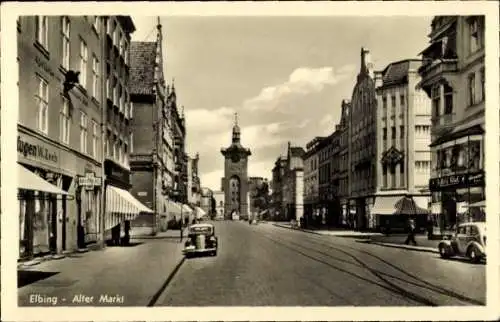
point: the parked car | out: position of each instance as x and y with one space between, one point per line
201 239
469 241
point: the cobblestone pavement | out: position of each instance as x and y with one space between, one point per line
265 265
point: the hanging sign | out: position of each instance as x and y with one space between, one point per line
89 181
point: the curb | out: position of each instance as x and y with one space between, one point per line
426 249
320 234
160 291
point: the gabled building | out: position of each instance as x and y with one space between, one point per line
277 182
340 176
453 77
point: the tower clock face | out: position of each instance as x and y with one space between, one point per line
235 157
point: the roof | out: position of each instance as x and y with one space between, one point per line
142 64
202 225
297 151
397 72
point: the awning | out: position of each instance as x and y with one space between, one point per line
385 205
121 201
263 211
478 204
408 206
200 212
186 209
27 180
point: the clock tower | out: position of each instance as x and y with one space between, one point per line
235 181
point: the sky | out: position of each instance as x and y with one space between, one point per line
285 77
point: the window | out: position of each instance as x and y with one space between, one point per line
83 63
402 132
384 135
436 101
120 152
83 132
393 132
42 31
402 100
97 24
95 78
384 103
393 101
483 88
475 41
95 139
448 100
471 88
115 148
65 122
42 98
65 42
131 140
402 175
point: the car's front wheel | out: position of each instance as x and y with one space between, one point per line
443 251
473 255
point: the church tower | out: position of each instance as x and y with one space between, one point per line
235 181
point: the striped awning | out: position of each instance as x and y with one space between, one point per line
121 206
407 206
200 212
186 209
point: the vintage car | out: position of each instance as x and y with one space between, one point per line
468 241
201 240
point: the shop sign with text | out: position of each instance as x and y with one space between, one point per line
457 181
36 151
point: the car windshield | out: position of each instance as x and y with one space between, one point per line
200 230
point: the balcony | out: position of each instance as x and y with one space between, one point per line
443 121
437 67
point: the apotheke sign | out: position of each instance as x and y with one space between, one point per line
35 151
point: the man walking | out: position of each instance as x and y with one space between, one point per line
411 233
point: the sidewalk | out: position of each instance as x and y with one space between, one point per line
398 240
127 276
336 233
170 233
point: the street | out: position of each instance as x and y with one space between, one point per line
264 265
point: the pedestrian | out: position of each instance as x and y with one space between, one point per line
182 232
411 233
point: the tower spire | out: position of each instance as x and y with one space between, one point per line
236 119
236 129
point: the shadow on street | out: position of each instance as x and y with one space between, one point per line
28 277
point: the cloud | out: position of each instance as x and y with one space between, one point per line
209 121
302 81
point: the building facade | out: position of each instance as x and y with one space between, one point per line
219 204
403 137
235 182
362 134
152 142
278 179
193 184
453 77
311 179
63 141
76 68
325 213
293 185
340 176
206 200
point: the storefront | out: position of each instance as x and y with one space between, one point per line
459 177
44 195
120 206
88 198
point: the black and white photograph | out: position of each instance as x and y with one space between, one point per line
167 160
